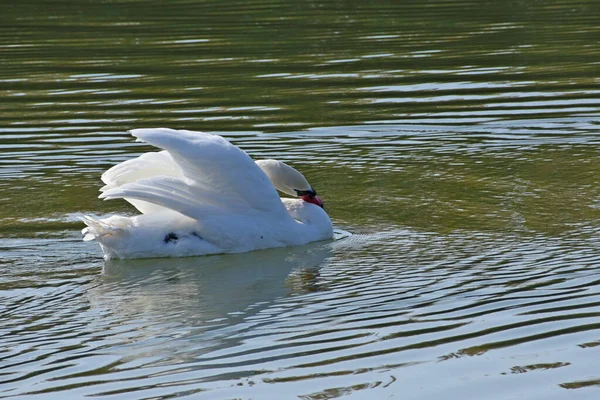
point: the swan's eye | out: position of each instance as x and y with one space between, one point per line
302 193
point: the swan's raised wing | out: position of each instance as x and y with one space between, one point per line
146 166
216 176
179 194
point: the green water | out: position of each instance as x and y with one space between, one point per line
457 140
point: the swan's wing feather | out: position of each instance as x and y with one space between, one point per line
173 193
145 166
215 164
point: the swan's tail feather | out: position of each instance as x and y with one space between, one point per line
98 229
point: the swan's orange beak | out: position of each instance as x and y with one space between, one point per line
313 199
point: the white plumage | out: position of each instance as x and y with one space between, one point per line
203 195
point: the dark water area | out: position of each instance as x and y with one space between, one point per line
456 140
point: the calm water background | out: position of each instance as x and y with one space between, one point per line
457 140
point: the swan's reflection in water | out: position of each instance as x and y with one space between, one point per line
154 304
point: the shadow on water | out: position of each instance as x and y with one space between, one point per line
202 301
210 288
154 313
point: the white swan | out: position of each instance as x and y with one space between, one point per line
203 195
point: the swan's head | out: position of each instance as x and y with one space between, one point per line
289 181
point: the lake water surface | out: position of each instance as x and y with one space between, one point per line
458 142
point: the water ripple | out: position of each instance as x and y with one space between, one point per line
345 315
